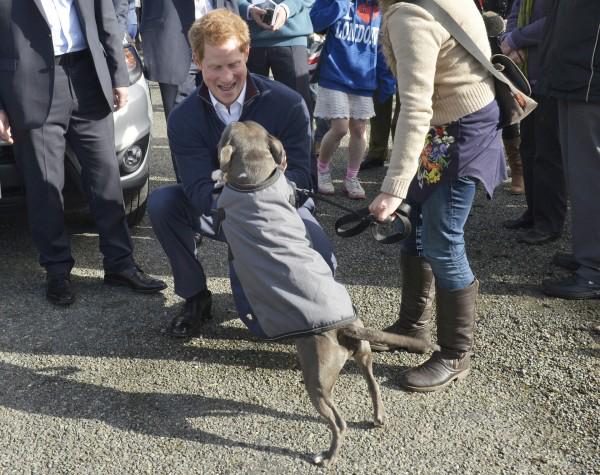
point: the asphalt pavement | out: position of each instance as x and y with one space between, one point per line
97 388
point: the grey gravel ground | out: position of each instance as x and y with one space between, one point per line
96 388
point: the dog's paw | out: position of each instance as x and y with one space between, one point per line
379 421
323 459
218 177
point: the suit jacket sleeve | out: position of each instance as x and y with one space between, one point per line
111 38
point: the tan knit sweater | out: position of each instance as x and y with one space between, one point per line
438 80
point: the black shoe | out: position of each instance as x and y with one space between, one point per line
371 162
534 237
136 279
566 261
522 222
574 287
195 312
58 289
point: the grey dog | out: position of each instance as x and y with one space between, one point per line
248 157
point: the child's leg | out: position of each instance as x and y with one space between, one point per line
358 143
331 141
356 149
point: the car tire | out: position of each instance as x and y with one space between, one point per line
135 204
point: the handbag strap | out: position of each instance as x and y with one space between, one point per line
444 18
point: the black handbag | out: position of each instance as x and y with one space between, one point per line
513 90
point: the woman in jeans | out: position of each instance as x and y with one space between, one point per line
448 102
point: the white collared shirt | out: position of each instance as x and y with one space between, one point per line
67 36
231 113
201 8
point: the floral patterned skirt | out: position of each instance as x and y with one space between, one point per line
471 146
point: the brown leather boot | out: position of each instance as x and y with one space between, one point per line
416 303
456 319
513 156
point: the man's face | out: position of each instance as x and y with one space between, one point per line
224 70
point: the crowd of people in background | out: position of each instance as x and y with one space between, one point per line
390 62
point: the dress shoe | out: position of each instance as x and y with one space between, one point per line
58 289
565 260
574 287
371 162
136 279
522 222
535 237
193 315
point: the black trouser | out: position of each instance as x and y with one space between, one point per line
382 123
289 65
173 94
549 192
545 189
80 116
580 142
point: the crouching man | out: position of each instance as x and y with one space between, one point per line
220 44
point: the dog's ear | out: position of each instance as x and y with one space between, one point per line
226 135
276 149
224 148
225 154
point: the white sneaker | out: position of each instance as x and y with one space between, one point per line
353 189
325 184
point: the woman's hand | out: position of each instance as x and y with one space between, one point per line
384 205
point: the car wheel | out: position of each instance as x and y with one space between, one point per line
135 204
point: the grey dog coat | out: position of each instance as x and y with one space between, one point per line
288 284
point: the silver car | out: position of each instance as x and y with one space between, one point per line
132 144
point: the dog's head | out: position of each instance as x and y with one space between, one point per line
248 154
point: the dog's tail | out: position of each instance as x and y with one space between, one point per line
388 340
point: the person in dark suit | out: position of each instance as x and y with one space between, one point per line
167 53
62 71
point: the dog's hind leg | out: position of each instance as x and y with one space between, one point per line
321 361
364 360
337 426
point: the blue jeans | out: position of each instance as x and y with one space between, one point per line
438 232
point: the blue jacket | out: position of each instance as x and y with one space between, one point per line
350 52
294 32
194 130
571 51
528 37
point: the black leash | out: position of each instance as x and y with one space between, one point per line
357 220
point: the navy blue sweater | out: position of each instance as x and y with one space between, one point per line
194 131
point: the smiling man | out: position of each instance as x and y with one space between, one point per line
221 43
